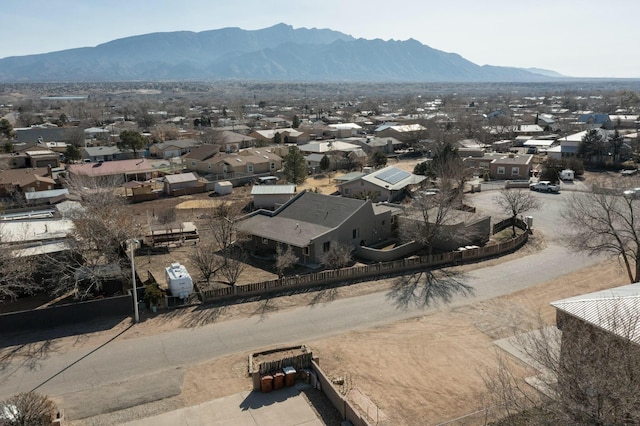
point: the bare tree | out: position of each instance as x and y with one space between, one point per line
17 277
515 202
337 256
206 260
285 259
211 136
101 228
424 288
228 241
601 221
27 409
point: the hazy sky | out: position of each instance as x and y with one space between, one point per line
580 38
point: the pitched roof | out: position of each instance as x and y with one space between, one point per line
273 189
108 168
202 152
21 177
392 178
180 178
302 219
614 310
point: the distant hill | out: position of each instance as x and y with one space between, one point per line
278 53
548 73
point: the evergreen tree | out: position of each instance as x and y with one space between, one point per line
295 166
325 163
131 140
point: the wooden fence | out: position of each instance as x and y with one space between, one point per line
361 273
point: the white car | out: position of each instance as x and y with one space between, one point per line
632 193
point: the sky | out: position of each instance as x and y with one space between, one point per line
578 38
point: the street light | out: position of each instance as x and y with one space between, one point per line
136 315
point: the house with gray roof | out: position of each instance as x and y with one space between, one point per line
387 184
311 223
173 148
105 153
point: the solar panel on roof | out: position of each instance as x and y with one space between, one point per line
393 176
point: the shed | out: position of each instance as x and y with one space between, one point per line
223 187
179 181
271 196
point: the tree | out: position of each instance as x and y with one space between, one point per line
101 228
6 129
600 221
615 141
295 166
206 260
516 202
131 140
295 122
211 136
17 278
593 144
227 241
285 259
8 147
377 159
337 256
277 138
72 153
27 409
325 163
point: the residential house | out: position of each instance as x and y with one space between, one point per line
595 121
271 196
172 148
105 153
371 144
311 223
287 135
600 353
40 157
343 130
243 163
115 172
402 132
387 184
21 181
234 141
196 160
510 166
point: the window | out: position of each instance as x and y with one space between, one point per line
501 170
383 223
326 246
249 168
272 166
193 163
393 220
355 233
305 251
515 171
346 191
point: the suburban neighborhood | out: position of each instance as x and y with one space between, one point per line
149 212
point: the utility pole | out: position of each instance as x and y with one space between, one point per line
136 315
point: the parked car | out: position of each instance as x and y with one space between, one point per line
631 193
544 186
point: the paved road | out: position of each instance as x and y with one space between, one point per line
154 359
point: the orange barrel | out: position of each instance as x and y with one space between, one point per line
278 380
266 383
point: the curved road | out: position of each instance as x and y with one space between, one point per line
163 356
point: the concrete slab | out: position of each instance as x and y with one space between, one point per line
284 407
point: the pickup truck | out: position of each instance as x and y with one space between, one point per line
544 186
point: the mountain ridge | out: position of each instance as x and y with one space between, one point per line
276 53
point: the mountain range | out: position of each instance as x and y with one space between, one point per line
277 53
